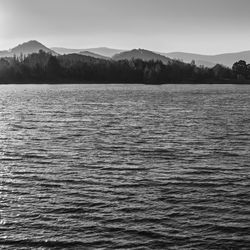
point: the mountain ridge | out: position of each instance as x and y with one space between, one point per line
226 59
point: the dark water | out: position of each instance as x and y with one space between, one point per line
124 167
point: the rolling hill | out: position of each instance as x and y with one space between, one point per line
91 54
74 58
142 54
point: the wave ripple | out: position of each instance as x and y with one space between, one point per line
124 167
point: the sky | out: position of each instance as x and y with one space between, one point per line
197 26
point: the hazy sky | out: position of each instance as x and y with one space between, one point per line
202 26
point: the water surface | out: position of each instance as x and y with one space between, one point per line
124 167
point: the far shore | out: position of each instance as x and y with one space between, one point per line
68 82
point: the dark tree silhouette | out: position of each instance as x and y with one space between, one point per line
53 68
39 67
240 69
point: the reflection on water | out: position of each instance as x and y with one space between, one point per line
124 167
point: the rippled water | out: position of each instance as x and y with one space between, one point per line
124 167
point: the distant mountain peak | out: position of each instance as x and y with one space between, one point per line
30 43
30 47
35 42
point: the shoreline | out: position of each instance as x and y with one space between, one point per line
124 83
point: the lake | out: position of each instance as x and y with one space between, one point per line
124 167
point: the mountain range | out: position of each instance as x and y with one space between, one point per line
227 59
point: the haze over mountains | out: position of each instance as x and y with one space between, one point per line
103 51
91 54
227 59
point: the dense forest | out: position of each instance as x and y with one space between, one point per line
43 67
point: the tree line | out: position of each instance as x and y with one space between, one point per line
44 67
